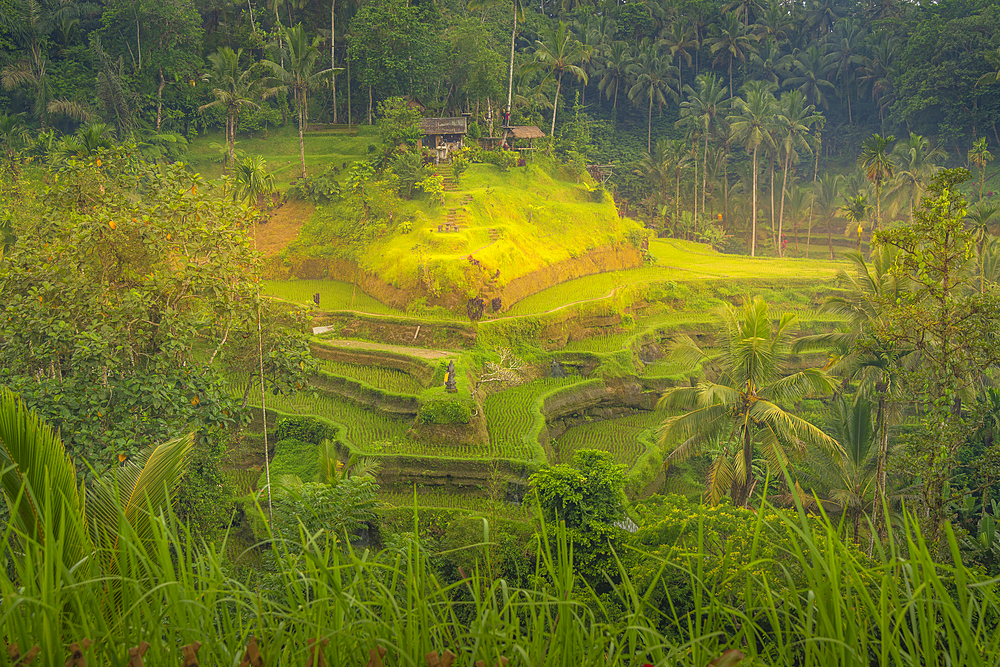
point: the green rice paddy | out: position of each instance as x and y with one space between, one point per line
512 416
621 437
380 377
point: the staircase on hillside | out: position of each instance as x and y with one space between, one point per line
494 234
454 220
466 199
449 184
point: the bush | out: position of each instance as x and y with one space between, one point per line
293 457
307 429
320 189
443 411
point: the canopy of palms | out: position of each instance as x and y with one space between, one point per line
705 109
732 40
296 75
811 69
792 123
560 53
614 69
235 90
916 163
743 407
654 79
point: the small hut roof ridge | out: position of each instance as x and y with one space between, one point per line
526 132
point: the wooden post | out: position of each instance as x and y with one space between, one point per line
76 657
500 662
135 655
190 653
19 660
375 656
316 651
252 658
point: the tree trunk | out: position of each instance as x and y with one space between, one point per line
333 55
753 235
159 100
302 142
555 103
348 91
774 237
882 423
781 213
741 487
510 78
829 235
649 132
694 186
704 175
677 202
369 104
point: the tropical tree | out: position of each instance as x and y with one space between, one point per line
731 40
880 71
857 210
706 109
916 163
793 122
811 69
751 128
878 167
560 54
13 139
615 67
47 504
826 198
654 79
235 90
743 406
981 217
980 156
772 63
296 75
251 180
683 44
849 36
993 57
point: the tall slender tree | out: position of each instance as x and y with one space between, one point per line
706 107
655 77
560 53
793 122
751 128
297 76
878 167
235 90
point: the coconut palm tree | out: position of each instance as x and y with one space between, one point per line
810 72
916 163
826 199
857 210
980 156
793 123
560 54
655 77
251 180
772 63
743 406
878 167
235 90
750 127
705 108
683 44
615 67
732 40
13 139
849 37
296 75
981 217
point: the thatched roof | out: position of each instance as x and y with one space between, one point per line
526 132
429 126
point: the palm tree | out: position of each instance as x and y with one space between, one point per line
916 162
13 139
878 167
47 504
654 76
683 43
981 217
880 71
980 156
993 57
774 22
812 67
849 36
559 55
616 64
234 91
706 109
793 122
251 180
826 198
742 407
856 210
296 75
771 63
751 127
732 40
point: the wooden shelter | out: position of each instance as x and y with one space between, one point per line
517 134
443 134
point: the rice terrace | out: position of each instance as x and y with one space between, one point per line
441 332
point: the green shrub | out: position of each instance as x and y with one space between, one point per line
293 457
444 411
307 429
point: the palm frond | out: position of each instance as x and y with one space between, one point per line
683 349
39 480
796 386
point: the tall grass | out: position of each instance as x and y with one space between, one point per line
836 607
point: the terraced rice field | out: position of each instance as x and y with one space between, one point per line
387 379
607 343
664 368
510 419
440 499
618 436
